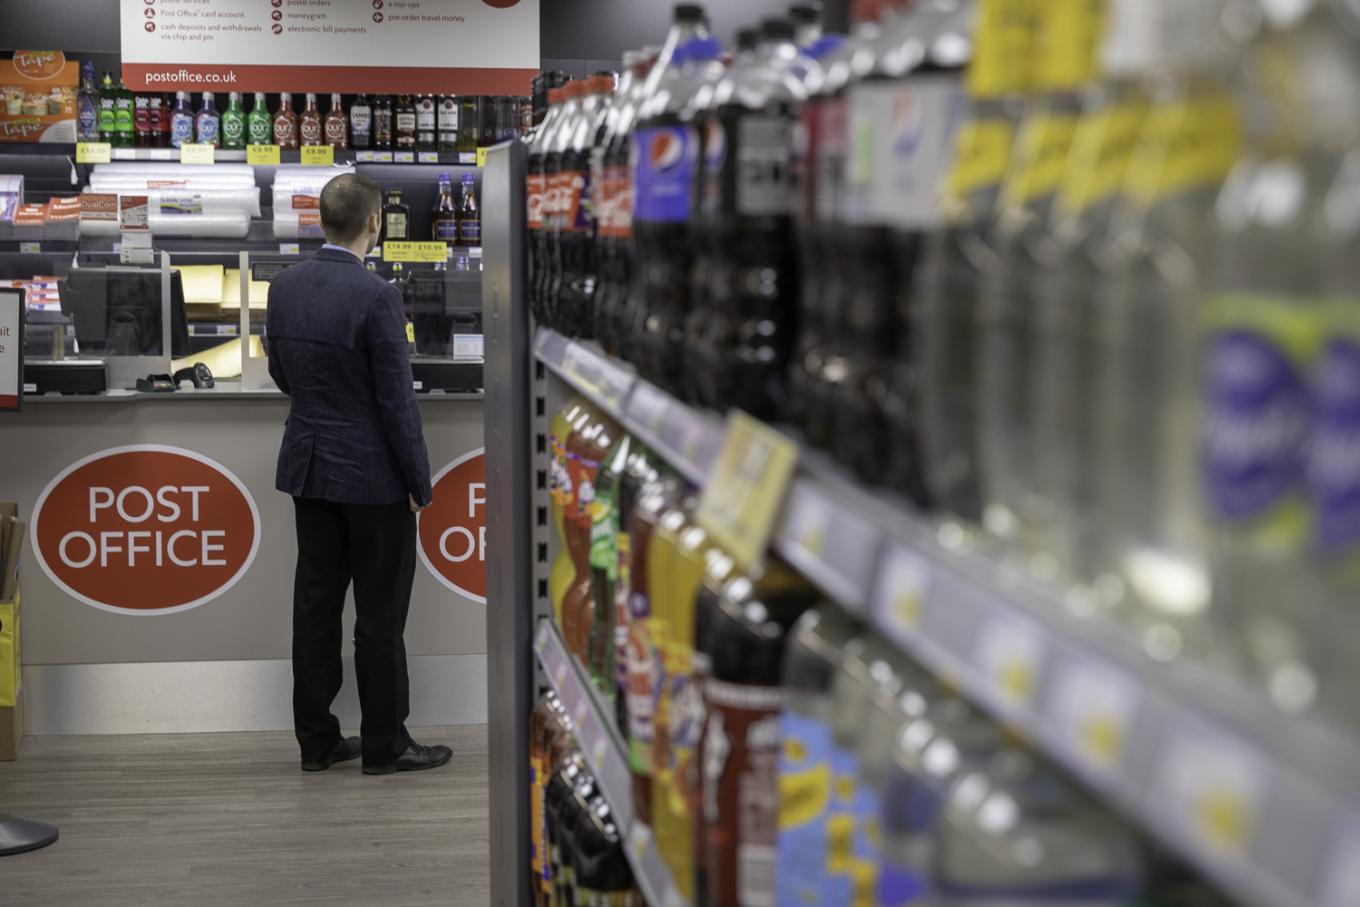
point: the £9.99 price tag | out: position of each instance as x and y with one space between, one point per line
1009 654
1094 708
1214 788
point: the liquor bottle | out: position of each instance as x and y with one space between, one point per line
208 123
286 123
159 115
396 217
234 123
122 116
259 126
486 121
425 123
444 219
467 125
361 122
469 214
141 120
382 122
309 122
107 102
181 121
337 127
448 123
87 105
404 124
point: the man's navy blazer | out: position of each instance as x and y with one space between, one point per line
336 340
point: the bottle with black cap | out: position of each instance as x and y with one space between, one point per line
746 205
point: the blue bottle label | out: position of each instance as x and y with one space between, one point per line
664 159
1258 413
87 119
805 791
207 130
181 129
1334 465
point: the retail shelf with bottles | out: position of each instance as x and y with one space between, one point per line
238 156
1265 804
604 751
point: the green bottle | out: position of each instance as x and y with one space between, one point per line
234 123
259 125
122 116
107 102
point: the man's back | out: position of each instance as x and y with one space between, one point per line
336 339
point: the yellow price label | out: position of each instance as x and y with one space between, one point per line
1102 740
262 154
744 495
93 152
317 155
415 251
197 153
481 156
907 607
1224 819
410 332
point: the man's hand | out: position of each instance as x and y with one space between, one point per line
415 508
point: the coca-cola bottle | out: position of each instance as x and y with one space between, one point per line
536 201
576 241
558 192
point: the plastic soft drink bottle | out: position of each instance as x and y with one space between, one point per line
604 564
576 298
1264 323
665 158
743 320
1061 432
558 215
1066 37
640 471
181 121
234 123
286 123
208 123
1153 561
614 218
259 125
959 252
586 451
123 116
817 363
902 116
561 492
537 202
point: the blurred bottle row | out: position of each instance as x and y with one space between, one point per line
1076 274
780 752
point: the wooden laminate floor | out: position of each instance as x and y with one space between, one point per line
228 819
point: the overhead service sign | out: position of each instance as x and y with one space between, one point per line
386 46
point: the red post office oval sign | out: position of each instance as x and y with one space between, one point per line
453 528
145 530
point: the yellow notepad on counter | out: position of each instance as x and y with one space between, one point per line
231 291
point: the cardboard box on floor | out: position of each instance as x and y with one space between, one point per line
11 700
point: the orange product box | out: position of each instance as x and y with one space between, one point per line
38 97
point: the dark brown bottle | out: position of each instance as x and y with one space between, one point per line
444 217
396 217
286 123
337 126
404 124
426 123
310 129
382 122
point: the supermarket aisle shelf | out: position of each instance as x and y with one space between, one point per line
1264 804
600 744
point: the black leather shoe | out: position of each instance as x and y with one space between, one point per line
417 758
345 750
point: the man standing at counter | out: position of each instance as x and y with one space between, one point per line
354 460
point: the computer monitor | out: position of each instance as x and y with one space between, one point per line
117 311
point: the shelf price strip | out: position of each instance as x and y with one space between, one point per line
743 496
1094 710
1009 654
1213 790
900 594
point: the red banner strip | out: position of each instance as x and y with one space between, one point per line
9 401
325 79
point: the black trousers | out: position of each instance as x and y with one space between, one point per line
375 547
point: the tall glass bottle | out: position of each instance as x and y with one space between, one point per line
382 122
1149 523
286 123
361 122
1262 371
107 118
234 123
181 121
208 122
448 124
1066 37
426 123
944 346
396 217
444 217
160 120
469 214
469 113
87 105
537 202
123 116
335 128
141 120
259 125
404 124
310 129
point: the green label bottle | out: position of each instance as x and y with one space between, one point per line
107 102
234 123
259 125
122 116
